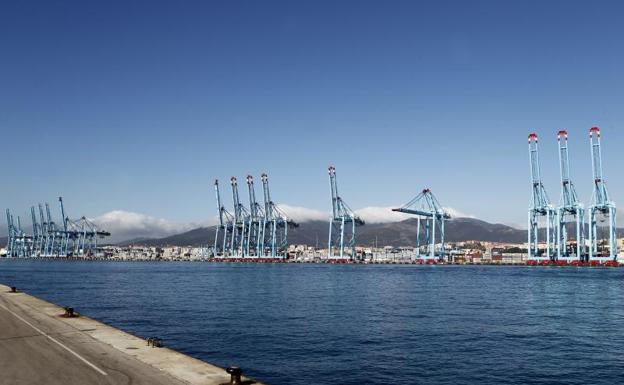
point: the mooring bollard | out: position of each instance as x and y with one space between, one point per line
13 289
235 375
154 342
69 312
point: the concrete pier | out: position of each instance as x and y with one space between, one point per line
39 346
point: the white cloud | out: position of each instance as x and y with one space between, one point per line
304 214
454 213
125 225
381 214
516 225
385 214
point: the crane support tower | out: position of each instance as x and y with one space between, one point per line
430 216
540 208
225 226
238 244
570 211
342 216
255 222
12 238
274 237
600 206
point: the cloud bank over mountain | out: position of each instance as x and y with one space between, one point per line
125 225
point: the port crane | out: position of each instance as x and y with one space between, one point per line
430 216
74 238
274 237
540 208
52 235
19 244
570 211
225 225
255 224
241 217
12 236
601 205
342 216
37 233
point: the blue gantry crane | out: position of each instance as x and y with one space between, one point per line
225 226
19 244
260 231
342 216
274 237
570 211
540 208
53 234
241 217
601 207
76 238
430 220
255 223
12 236
37 233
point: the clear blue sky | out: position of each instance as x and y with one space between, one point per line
139 105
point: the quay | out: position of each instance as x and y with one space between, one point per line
42 343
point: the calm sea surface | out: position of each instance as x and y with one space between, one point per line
358 324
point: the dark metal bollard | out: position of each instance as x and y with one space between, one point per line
154 342
235 375
69 312
13 289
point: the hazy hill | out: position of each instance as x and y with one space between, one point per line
396 233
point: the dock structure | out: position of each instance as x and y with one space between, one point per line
42 343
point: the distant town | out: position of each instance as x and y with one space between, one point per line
467 252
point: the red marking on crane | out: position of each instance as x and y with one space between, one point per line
594 129
562 132
532 135
426 190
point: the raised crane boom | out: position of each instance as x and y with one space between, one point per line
540 199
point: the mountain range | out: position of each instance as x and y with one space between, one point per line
403 233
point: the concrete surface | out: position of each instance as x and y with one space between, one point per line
38 346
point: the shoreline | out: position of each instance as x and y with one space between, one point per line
593 264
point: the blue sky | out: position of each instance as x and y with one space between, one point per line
138 106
